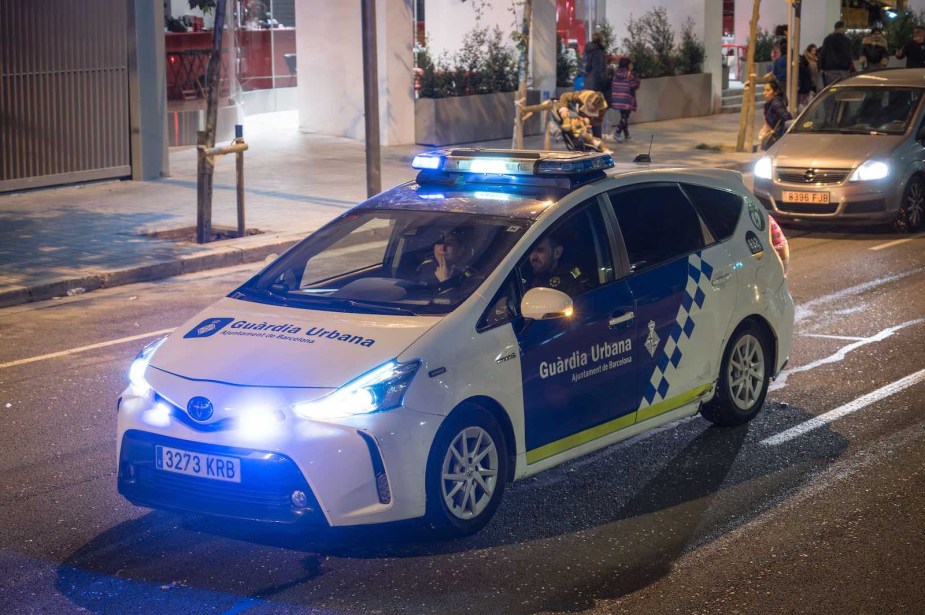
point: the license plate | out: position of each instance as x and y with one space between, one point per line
817 198
197 464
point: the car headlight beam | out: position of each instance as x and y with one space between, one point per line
136 373
379 389
763 168
870 170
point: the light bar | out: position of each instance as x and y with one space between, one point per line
427 161
512 162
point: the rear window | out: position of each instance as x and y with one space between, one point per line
719 209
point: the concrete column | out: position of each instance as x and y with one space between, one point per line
712 33
330 64
543 47
817 20
147 91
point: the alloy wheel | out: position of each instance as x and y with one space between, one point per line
746 372
469 473
914 205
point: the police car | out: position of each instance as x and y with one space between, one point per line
505 312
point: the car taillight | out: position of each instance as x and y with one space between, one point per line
780 243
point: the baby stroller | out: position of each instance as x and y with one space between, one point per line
572 142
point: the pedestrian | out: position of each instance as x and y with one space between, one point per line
623 96
914 50
874 51
595 70
776 115
835 59
779 68
812 59
806 87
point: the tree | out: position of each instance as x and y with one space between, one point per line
523 46
747 117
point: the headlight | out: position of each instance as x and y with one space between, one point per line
136 373
380 389
763 168
870 170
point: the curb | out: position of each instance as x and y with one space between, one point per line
213 258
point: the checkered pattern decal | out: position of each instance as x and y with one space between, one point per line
699 273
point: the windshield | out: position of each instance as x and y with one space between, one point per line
861 110
388 262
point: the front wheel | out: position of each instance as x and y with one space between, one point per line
466 472
743 378
911 207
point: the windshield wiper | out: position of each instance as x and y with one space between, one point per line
860 131
352 303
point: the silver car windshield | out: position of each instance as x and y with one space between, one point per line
861 110
388 262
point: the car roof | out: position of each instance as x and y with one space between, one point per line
529 202
890 77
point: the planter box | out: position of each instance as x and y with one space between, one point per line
668 98
464 119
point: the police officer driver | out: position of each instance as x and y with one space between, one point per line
450 259
551 271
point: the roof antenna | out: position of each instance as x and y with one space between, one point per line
648 156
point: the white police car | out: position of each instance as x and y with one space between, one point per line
418 353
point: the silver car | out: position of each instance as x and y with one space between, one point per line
856 154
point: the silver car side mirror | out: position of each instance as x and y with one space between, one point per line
543 303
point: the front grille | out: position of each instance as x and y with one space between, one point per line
818 177
268 480
866 207
807 208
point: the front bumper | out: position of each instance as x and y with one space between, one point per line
367 469
858 202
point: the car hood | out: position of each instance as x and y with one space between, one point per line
250 344
831 151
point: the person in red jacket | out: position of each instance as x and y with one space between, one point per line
623 96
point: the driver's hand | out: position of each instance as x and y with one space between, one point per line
443 270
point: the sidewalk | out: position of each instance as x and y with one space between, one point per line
80 238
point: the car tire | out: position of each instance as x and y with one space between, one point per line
466 472
744 375
911 207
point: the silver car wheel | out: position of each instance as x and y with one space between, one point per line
914 205
746 372
469 473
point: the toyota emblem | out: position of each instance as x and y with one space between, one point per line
199 409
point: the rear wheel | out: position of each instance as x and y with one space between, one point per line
911 207
743 379
466 472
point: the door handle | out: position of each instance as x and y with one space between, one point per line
616 321
721 279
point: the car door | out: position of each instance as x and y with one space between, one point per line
578 373
670 279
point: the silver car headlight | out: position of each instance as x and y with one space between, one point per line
136 373
869 171
763 168
379 389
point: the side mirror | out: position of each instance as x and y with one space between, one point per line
921 135
543 303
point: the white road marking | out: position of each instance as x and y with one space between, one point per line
64 353
833 337
805 310
781 381
890 244
853 406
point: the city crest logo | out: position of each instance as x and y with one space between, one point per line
208 327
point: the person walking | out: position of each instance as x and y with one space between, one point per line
806 87
874 51
812 60
835 59
779 68
776 115
914 50
595 70
623 96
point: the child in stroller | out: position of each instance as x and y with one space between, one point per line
572 118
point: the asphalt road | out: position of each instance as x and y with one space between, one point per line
766 518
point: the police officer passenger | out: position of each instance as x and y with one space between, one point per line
551 271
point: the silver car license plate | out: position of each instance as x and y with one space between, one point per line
191 463
817 198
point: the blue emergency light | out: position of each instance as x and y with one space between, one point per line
512 162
